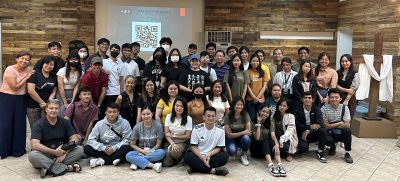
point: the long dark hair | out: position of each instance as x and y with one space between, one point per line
277 115
231 114
267 122
163 56
46 60
309 75
203 99
185 110
172 64
259 69
322 54
145 95
232 75
73 54
164 95
351 72
211 95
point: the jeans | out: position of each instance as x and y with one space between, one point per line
231 144
143 160
253 109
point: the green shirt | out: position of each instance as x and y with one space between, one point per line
265 132
237 125
238 83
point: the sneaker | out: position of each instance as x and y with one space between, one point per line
96 162
133 167
221 171
189 169
243 160
273 170
43 172
321 158
348 158
282 171
332 150
157 167
116 161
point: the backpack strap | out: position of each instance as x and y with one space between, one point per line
343 110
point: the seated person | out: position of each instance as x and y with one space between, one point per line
336 119
207 142
83 114
309 127
177 128
108 141
146 141
48 136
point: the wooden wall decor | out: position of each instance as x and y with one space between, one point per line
31 25
247 18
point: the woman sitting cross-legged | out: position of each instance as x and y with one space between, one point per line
177 128
146 142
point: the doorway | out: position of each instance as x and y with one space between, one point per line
344 45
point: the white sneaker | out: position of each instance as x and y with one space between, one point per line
116 161
157 167
133 167
96 162
243 160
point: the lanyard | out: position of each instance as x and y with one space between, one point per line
286 79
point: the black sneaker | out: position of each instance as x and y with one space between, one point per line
221 171
332 150
321 158
273 170
348 158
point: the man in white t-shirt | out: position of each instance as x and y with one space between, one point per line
130 67
204 61
207 141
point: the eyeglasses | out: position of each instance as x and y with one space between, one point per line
104 44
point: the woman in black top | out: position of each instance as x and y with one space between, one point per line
173 70
148 98
302 82
153 69
128 101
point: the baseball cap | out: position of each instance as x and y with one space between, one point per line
97 60
194 57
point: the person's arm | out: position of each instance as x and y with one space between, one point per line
184 88
159 114
92 139
163 81
14 85
257 133
53 93
88 131
334 80
249 91
228 91
167 135
102 95
213 75
36 145
263 89
119 100
134 146
60 83
121 84
158 144
76 89
34 95
231 135
139 116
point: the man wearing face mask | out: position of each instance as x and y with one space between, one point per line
113 66
103 45
130 67
166 43
193 76
54 49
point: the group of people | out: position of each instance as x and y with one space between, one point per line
201 108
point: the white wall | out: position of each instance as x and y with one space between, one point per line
1 56
344 45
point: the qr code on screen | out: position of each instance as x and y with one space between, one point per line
147 34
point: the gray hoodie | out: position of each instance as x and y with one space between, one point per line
102 135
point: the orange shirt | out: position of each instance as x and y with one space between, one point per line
196 110
256 83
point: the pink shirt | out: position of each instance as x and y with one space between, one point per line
12 72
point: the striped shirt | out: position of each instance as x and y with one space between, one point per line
334 115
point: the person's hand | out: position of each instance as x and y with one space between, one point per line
325 100
346 102
145 152
261 100
174 147
206 160
349 91
109 150
59 152
42 105
315 126
280 143
304 135
259 118
61 158
246 132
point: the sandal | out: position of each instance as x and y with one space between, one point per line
75 167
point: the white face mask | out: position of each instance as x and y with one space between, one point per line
166 47
174 58
82 54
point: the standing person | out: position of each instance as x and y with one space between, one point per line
146 143
238 130
108 142
174 69
236 79
54 49
204 65
49 134
275 65
264 67
220 66
244 52
192 49
303 55
309 127
149 97
198 104
103 45
211 48
42 86
83 114
285 77
113 66
207 142
256 88
336 118
326 78
302 82
164 105
177 129
261 142
193 76
283 131
83 54
130 67
69 80
218 100
128 101
272 101
13 106
230 51
141 64
348 82
153 69
97 81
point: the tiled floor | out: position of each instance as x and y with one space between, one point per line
374 159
